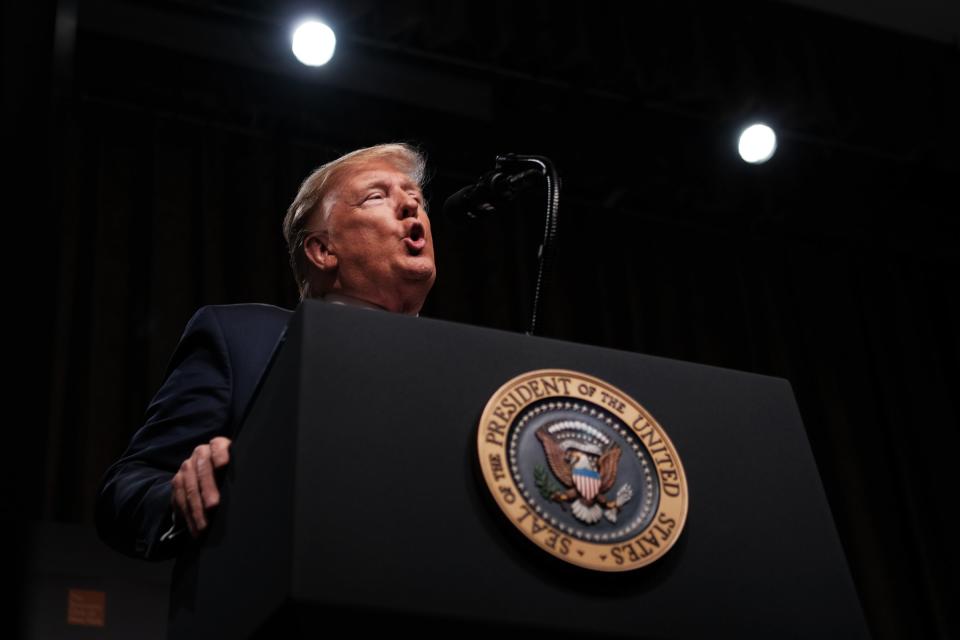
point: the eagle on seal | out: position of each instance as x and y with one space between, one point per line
588 473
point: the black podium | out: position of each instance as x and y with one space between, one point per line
354 496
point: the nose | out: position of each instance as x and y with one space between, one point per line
409 207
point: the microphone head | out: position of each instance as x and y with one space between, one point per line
471 202
492 190
458 204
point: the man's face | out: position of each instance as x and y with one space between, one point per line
379 233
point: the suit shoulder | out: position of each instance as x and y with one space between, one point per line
240 319
242 314
249 310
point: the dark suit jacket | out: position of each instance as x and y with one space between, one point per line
210 380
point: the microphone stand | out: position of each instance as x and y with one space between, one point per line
548 247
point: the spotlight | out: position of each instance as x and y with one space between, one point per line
313 43
757 143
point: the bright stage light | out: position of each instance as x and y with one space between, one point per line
757 143
313 43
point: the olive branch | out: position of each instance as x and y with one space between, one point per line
545 482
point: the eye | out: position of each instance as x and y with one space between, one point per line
374 195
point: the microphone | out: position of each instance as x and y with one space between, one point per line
491 190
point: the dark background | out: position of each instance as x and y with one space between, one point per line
157 143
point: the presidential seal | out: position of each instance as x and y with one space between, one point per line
583 470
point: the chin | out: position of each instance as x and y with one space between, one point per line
420 270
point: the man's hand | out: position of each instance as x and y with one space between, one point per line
194 486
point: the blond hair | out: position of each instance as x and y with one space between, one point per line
320 184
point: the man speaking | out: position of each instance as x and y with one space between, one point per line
358 234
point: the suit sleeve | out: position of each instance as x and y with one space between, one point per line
192 406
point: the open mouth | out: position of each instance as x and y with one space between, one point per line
415 241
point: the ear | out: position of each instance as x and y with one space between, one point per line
317 249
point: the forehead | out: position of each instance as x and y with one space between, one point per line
374 173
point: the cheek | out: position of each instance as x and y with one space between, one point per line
359 238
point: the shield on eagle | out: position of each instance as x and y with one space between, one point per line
587 482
